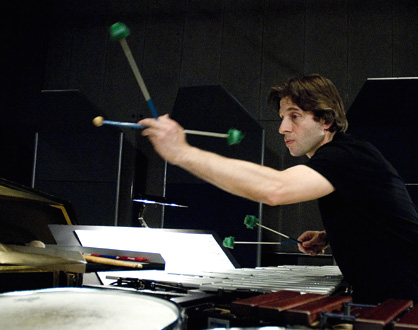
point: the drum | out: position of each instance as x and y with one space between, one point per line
86 309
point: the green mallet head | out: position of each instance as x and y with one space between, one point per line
234 136
250 221
229 242
119 31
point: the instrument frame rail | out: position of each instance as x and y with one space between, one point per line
142 284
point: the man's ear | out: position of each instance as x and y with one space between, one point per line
326 125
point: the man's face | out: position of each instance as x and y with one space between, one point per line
302 134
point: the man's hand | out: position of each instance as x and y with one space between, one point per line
167 137
313 242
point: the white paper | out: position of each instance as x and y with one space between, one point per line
182 252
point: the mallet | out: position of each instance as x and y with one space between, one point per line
229 242
251 221
120 31
100 121
233 136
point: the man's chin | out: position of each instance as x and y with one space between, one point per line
296 154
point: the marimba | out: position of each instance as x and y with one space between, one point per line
286 308
286 296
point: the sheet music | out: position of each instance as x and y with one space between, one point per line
182 252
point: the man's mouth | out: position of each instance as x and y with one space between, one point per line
288 141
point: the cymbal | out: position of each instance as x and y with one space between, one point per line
34 256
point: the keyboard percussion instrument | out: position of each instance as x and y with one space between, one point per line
327 312
289 297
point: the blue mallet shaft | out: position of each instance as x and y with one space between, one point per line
121 123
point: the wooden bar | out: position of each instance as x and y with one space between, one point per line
249 305
377 318
271 310
308 313
408 321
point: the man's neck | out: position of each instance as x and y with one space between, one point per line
328 138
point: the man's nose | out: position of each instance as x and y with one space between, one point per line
285 127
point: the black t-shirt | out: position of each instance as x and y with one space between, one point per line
370 220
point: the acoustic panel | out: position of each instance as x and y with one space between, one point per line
385 113
76 160
214 109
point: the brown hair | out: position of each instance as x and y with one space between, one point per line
313 93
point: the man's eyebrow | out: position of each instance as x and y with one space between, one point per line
289 110
294 108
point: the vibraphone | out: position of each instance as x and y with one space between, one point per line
300 297
306 279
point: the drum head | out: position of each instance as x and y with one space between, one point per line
85 309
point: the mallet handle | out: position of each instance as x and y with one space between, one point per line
277 243
186 131
138 76
279 233
220 135
122 123
112 262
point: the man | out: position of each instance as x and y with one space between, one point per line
369 219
